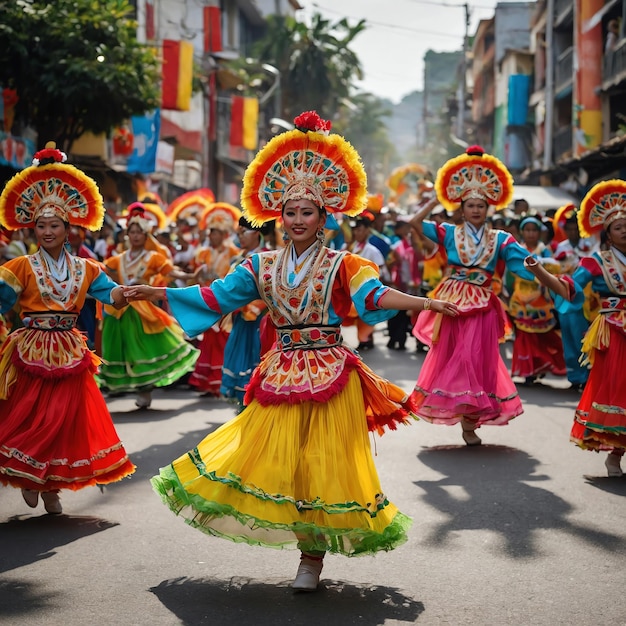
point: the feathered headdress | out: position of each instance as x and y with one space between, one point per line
151 213
474 175
190 204
306 162
603 204
220 215
51 188
562 215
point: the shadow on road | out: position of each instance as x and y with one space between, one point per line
487 488
33 539
20 597
149 460
156 414
616 486
242 601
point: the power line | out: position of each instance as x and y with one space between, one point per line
384 25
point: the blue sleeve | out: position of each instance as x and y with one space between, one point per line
198 309
101 288
514 255
9 289
430 231
581 278
8 297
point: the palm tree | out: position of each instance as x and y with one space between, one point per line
316 64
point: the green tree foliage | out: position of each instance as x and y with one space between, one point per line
361 120
316 63
76 65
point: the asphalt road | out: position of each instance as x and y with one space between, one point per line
526 529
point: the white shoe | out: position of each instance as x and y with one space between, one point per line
31 497
308 575
52 502
144 399
612 465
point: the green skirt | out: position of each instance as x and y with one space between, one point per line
135 360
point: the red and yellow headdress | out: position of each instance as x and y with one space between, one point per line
151 214
306 162
190 204
220 215
603 204
474 175
562 215
398 180
51 188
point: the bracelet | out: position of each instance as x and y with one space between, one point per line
427 304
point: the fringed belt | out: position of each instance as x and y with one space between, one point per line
473 275
308 337
50 321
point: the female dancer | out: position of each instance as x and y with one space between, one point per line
537 348
294 469
464 378
55 432
158 355
215 261
600 419
244 348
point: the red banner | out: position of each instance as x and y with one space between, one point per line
212 29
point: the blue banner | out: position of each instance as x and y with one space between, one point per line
146 131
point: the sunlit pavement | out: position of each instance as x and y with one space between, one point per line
526 529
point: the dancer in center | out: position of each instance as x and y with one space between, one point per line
464 378
294 469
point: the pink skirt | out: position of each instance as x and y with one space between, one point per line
464 375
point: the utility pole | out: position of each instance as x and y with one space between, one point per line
461 97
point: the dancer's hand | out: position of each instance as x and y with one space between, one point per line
144 292
446 308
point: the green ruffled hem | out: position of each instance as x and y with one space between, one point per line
199 513
177 365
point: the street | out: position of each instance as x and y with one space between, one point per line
525 529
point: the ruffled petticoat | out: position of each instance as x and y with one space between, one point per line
56 431
293 472
463 373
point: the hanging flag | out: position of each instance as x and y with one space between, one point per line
212 29
177 75
145 141
236 121
150 28
250 123
244 121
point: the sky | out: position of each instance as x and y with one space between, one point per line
399 34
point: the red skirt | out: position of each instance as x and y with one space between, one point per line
207 374
57 433
600 419
537 353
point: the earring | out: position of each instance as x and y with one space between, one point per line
321 237
285 236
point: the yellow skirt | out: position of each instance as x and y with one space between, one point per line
289 476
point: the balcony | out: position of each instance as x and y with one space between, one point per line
564 71
614 66
563 12
562 143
